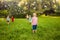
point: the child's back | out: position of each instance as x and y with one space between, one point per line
8 19
30 18
12 19
34 20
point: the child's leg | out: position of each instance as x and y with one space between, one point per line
34 31
35 28
8 22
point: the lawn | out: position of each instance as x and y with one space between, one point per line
48 29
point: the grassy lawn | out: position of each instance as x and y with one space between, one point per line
48 29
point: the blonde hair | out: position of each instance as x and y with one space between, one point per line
34 14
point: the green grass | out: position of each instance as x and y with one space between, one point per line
48 29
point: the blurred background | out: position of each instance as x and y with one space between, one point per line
48 12
19 8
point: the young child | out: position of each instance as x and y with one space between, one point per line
12 19
34 22
30 19
8 19
27 16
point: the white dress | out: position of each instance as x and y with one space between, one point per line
8 19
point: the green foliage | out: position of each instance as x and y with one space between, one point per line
28 7
20 16
57 13
3 13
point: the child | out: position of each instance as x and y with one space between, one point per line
30 19
8 19
34 22
12 19
27 16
